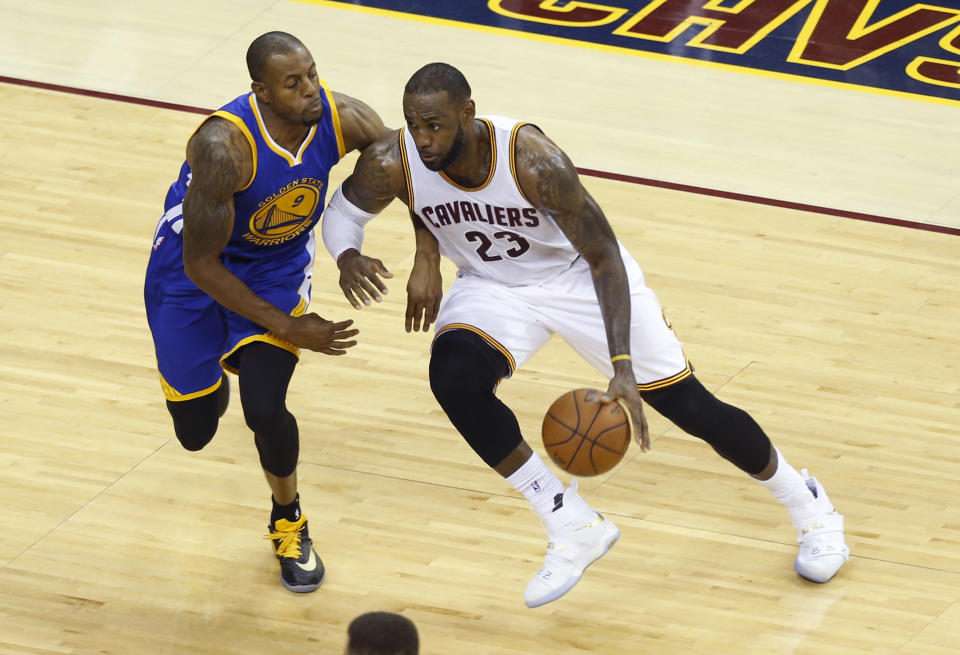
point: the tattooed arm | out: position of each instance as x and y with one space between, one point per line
222 163
549 180
377 179
378 176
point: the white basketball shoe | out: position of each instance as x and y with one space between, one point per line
820 535
577 537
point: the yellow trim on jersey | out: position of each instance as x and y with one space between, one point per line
268 337
173 395
483 335
406 168
335 116
236 120
666 382
513 159
306 142
493 161
300 309
290 159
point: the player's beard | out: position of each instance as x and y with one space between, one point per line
310 122
455 148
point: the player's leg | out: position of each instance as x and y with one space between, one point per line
734 434
265 366
666 382
195 420
482 335
265 371
189 332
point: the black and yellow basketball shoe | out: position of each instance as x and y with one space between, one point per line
300 568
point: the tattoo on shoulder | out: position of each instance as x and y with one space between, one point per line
220 160
218 154
557 187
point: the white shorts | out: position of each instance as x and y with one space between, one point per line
519 320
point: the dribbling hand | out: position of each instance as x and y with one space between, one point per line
360 279
623 389
312 332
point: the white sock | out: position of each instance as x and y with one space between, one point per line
537 484
788 486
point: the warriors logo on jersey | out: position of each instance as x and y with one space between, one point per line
286 216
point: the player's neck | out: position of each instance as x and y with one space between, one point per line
472 167
288 135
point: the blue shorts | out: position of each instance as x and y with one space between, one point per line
195 337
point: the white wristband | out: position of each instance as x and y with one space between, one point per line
342 226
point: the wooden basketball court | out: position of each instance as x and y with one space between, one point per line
839 335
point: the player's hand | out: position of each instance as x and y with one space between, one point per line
360 278
312 332
424 292
623 389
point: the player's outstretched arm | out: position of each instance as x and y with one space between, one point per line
550 181
222 163
378 177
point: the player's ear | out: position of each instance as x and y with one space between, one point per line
260 91
469 110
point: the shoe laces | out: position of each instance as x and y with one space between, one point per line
286 537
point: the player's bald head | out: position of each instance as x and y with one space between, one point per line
264 47
437 77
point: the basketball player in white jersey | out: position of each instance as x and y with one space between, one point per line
537 257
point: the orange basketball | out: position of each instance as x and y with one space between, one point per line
585 437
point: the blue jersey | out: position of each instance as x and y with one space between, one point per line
279 206
271 249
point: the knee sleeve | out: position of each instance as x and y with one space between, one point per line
729 430
195 421
464 372
265 373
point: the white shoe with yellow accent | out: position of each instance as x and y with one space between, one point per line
820 535
578 536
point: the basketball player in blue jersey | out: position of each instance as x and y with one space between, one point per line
228 281
537 257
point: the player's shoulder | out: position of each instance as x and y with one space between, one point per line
215 129
219 150
510 125
360 124
349 107
217 138
535 152
540 163
530 137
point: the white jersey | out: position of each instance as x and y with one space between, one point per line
491 231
